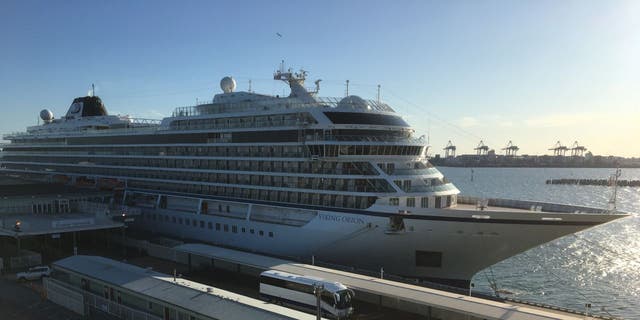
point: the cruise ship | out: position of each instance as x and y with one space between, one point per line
342 180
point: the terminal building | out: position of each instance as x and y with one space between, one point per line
43 218
93 286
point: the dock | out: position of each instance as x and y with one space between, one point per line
428 302
93 286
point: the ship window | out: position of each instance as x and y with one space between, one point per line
201 224
173 219
186 221
210 225
394 201
261 233
411 202
217 226
438 203
194 222
252 231
226 228
430 259
424 202
365 118
234 229
270 234
243 230
180 220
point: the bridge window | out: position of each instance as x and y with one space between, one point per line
411 202
394 201
438 202
424 202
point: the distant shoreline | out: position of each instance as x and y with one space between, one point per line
526 167
526 161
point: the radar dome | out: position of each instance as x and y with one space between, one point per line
228 84
354 103
46 115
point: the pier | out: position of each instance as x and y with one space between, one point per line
407 297
594 182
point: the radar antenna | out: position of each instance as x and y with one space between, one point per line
296 83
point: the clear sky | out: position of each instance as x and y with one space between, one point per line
529 71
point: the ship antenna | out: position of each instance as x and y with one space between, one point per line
93 90
249 85
347 88
378 93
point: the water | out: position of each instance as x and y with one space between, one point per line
600 266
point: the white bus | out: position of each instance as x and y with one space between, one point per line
297 292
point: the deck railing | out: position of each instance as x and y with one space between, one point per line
530 205
211 107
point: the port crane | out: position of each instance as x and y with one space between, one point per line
510 150
449 150
482 149
559 149
577 150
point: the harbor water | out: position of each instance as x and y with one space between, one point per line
600 267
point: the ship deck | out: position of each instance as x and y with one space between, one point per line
509 205
471 207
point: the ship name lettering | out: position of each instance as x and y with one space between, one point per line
343 219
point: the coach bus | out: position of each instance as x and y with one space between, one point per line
297 292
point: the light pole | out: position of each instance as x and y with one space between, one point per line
317 291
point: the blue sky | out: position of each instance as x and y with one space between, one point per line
529 71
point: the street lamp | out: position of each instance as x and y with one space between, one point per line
317 291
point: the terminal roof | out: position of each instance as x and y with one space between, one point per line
193 296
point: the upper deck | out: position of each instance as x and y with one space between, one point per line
260 103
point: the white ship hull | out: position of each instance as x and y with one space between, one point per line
461 245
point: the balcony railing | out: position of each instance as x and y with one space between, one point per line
365 138
139 125
438 188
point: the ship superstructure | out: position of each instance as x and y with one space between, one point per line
340 179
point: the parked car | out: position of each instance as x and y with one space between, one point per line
34 273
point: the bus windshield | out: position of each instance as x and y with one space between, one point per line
344 299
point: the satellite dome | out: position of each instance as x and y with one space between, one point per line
228 84
354 103
46 115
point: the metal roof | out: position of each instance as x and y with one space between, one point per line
215 303
455 302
